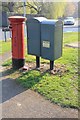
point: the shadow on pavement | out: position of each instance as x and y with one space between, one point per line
10 89
8 72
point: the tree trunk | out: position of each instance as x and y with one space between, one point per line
11 6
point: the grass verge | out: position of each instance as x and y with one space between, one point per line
70 37
5 46
59 86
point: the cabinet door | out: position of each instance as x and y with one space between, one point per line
33 40
47 41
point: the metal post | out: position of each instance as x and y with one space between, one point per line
24 7
10 34
37 62
5 35
24 4
51 65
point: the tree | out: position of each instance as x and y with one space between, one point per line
55 9
12 6
59 9
48 9
8 6
70 9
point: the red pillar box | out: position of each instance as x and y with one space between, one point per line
18 56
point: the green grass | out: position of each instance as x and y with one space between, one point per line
7 63
5 47
70 37
60 88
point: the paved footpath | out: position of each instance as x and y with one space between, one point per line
18 102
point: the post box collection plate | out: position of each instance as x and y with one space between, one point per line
46 44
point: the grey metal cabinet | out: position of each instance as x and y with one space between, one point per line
34 35
51 39
44 39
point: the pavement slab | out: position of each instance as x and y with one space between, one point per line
30 104
73 45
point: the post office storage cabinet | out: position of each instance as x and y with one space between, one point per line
51 39
34 35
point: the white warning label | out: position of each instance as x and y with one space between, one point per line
46 44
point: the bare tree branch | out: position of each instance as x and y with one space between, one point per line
30 6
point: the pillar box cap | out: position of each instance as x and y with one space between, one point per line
17 19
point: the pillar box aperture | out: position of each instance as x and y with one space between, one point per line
18 55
